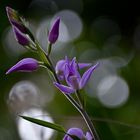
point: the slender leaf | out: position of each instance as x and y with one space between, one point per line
45 124
49 125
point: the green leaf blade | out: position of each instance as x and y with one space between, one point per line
45 123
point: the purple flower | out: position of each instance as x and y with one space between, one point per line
22 38
60 67
24 65
78 133
54 32
15 19
69 71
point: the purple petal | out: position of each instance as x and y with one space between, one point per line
25 65
87 75
74 68
73 82
84 65
54 32
65 137
59 69
73 65
20 37
19 26
75 132
88 136
64 89
60 65
67 71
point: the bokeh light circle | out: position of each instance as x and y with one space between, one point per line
11 46
23 95
112 91
31 131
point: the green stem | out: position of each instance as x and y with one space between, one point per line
79 99
49 48
86 117
90 124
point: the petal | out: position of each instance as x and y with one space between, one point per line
66 59
73 82
74 68
65 137
87 75
88 136
64 89
19 26
75 132
60 65
59 69
24 65
84 65
66 71
20 37
73 64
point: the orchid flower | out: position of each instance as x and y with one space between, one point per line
69 71
60 67
78 133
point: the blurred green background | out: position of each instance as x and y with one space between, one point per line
92 30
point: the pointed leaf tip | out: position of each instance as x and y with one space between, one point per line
44 123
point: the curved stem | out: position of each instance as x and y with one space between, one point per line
79 99
90 124
86 117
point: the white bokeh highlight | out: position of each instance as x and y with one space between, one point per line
22 96
31 131
112 91
11 46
